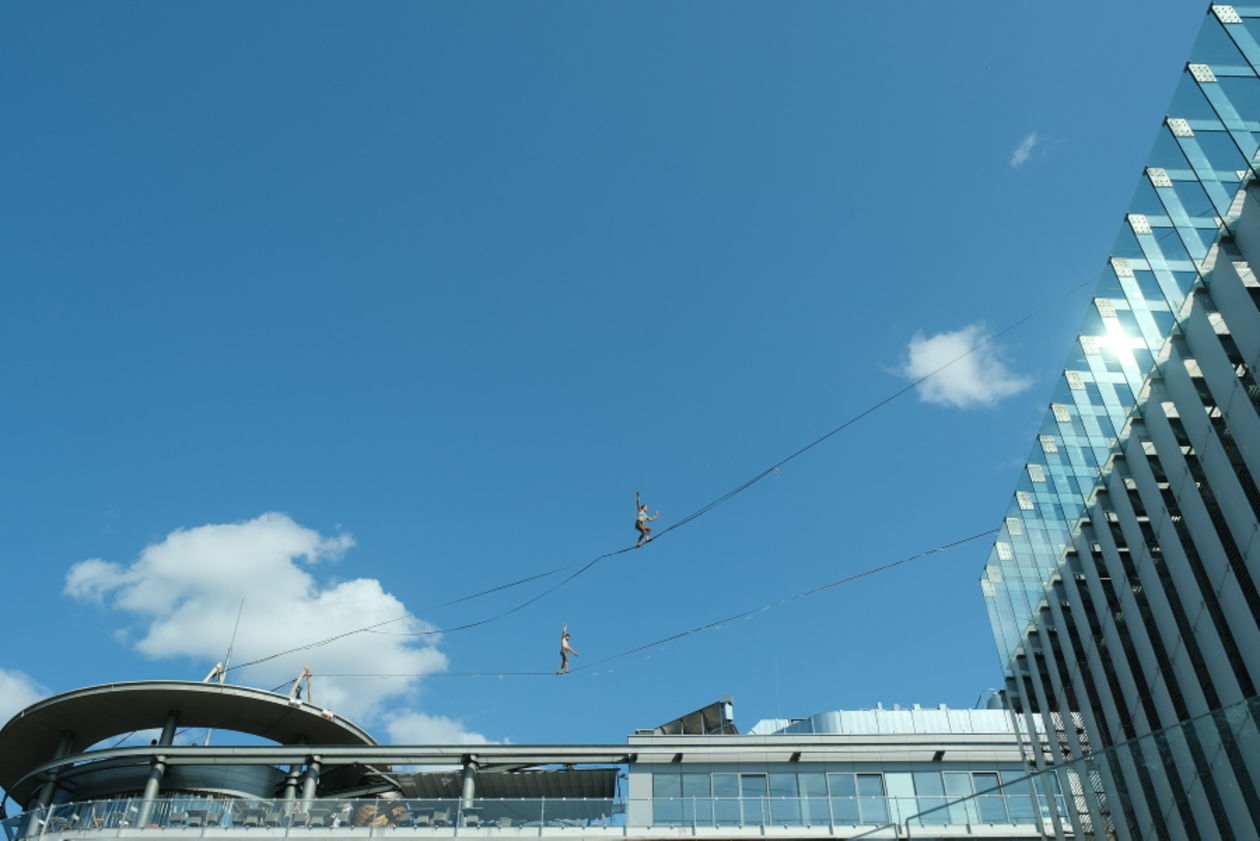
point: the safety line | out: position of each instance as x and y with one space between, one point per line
708 626
945 547
694 515
447 630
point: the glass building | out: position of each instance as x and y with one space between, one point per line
1122 588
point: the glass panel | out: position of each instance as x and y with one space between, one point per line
785 811
752 785
752 788
726 799
785 808
698 811
812 784
992 807
1019 802
844 810
874 810
870 784
666 785
929 783
666 809
783 785
817 812
726 785
667 813
842 785
695 785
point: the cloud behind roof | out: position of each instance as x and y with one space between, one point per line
183 593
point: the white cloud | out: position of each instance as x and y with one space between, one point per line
184 592
978 379
1019 157
416 728
18 691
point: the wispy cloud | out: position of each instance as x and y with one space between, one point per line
978 379
18 691
1019 157
182 594
415 728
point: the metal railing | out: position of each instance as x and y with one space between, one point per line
195 816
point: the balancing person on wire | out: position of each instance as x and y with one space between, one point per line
642 519
565 651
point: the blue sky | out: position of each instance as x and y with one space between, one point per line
346 310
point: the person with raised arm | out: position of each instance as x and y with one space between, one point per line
565 651
641 520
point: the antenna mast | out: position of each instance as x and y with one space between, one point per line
220 670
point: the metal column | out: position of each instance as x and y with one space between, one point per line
157 770
64 746
310 781
468 790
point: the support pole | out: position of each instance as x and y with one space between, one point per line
310 781
468 791
157 770
291 783
48 789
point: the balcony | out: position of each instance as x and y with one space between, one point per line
186 816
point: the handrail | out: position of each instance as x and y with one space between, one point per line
860 816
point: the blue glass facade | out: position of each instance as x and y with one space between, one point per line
1191 191
784 796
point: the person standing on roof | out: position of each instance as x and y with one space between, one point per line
565 651
641 521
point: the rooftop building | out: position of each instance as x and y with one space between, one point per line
293 769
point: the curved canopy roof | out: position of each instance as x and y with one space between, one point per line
96 713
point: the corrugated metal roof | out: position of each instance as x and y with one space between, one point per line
915 720
578 782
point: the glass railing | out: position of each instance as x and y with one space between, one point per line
1015 806
866 817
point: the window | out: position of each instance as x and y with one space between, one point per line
844 804
1019 802
666 807
726 799
666 785
871 797
992 807
958 785
785 804
697 808
752 790
813 787
929 789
